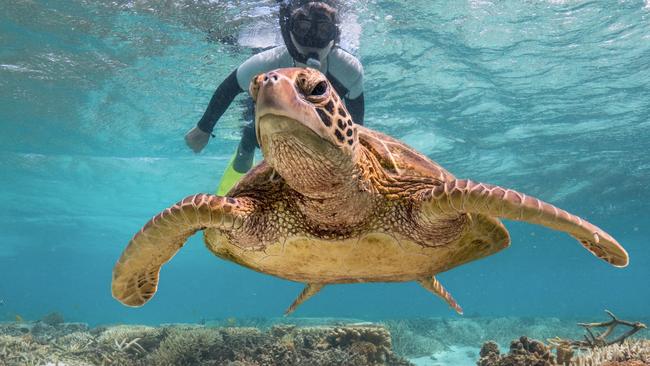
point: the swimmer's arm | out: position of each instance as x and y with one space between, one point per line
347 72
238 81
220 101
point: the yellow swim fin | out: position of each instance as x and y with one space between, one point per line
229 178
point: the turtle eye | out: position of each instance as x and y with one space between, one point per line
319 89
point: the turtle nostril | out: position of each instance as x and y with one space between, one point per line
270 77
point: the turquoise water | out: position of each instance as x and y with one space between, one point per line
548 97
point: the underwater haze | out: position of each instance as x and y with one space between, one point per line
551 98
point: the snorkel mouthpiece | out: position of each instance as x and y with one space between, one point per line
312 61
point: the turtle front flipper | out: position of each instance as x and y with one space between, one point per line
466 196
135 276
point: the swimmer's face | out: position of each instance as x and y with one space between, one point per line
313 25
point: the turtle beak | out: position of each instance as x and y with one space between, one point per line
254 87
275 93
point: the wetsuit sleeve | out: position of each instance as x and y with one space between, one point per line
220 101
346 72
262 62
356 107
355 87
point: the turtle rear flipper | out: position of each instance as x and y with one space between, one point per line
310 290
466 196
432 284
135 275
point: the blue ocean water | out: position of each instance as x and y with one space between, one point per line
551 98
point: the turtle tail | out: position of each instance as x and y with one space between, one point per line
467 196
136 273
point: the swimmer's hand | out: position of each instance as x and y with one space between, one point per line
196 139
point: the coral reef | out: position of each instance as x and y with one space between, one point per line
415 338
490 354
601 340
599 348
22 350
419 337
526 352
73 345
296 341
629 353
594 350
523 352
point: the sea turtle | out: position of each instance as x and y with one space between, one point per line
335 202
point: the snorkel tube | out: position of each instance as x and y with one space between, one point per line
285 18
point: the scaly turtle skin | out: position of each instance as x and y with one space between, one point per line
334 202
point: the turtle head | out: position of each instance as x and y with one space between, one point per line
304 130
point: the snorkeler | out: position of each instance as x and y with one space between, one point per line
311 33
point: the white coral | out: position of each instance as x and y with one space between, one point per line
630 350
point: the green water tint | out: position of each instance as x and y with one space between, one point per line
549 97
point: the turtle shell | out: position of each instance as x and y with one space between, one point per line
398 158
321 260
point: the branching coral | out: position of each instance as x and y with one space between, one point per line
22 351
629 353
185 347
594 350
601 340
598 348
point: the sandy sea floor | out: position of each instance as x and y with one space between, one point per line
456 355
